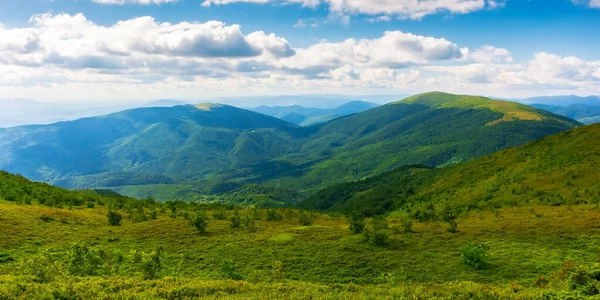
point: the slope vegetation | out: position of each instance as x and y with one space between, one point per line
557 170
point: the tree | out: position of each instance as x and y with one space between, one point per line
236 220
114 218
357 222
475 255
200 222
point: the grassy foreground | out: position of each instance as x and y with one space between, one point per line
533 252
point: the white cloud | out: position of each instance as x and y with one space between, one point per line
208 3
491 54
590 3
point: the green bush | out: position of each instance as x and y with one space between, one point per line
376 231
236 220
83 261
306 219
114 218
200 222
154 215
406 224
152 264
230 271
273 215
586 280
249 223
357 222
475 255
452 226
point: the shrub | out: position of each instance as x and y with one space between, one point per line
406 224
273 215
154 215
376 232
41 267
91 205
152 264
200 222
114 218
452 226
249 223
236 220
586 280
475 255
305 219
357 222
220 214
230 271
82 260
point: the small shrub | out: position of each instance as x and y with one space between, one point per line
406 224
273 215
91 205
200 222
357 222
152 264
541 282
376 232
586 280
278 270
82 260
475 255
236 220
452 226
220 214
154 214
305 219
230 271
249 223
114 218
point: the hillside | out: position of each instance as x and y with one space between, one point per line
433 129
557 170
192 151
307 116
584 113
154 251
146 145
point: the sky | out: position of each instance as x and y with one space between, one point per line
125 50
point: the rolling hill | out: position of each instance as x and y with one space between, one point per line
557 170
307 116
186 150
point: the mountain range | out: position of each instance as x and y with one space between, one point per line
307 116
218 148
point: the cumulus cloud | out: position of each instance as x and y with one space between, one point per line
491 54
590 3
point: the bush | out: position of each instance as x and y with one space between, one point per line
376 232
452 226
273 216
220 214
152 264
236 220
357 222
200 222
154 215
586 280
406 225
305 219
230 271
249 223
114 218
83 261
475 255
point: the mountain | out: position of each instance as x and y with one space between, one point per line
561 100
307 116
434 129
584 113
156 145
558 169
218 149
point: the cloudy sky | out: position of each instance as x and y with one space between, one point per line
110 50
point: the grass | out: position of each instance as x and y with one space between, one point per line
321 261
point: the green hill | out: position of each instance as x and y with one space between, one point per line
188 150
557 170
434 129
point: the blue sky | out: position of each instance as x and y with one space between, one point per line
513 48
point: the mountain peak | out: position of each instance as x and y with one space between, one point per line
209 106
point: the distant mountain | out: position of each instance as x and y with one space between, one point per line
306 116
562 100
314 101
558 169
584 113
165 103
145 145
213 148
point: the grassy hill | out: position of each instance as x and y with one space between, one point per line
434 129
188 150
557 170
49 252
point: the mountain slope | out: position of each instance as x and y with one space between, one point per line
559 169
182 141
584 113
432 129
307 116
